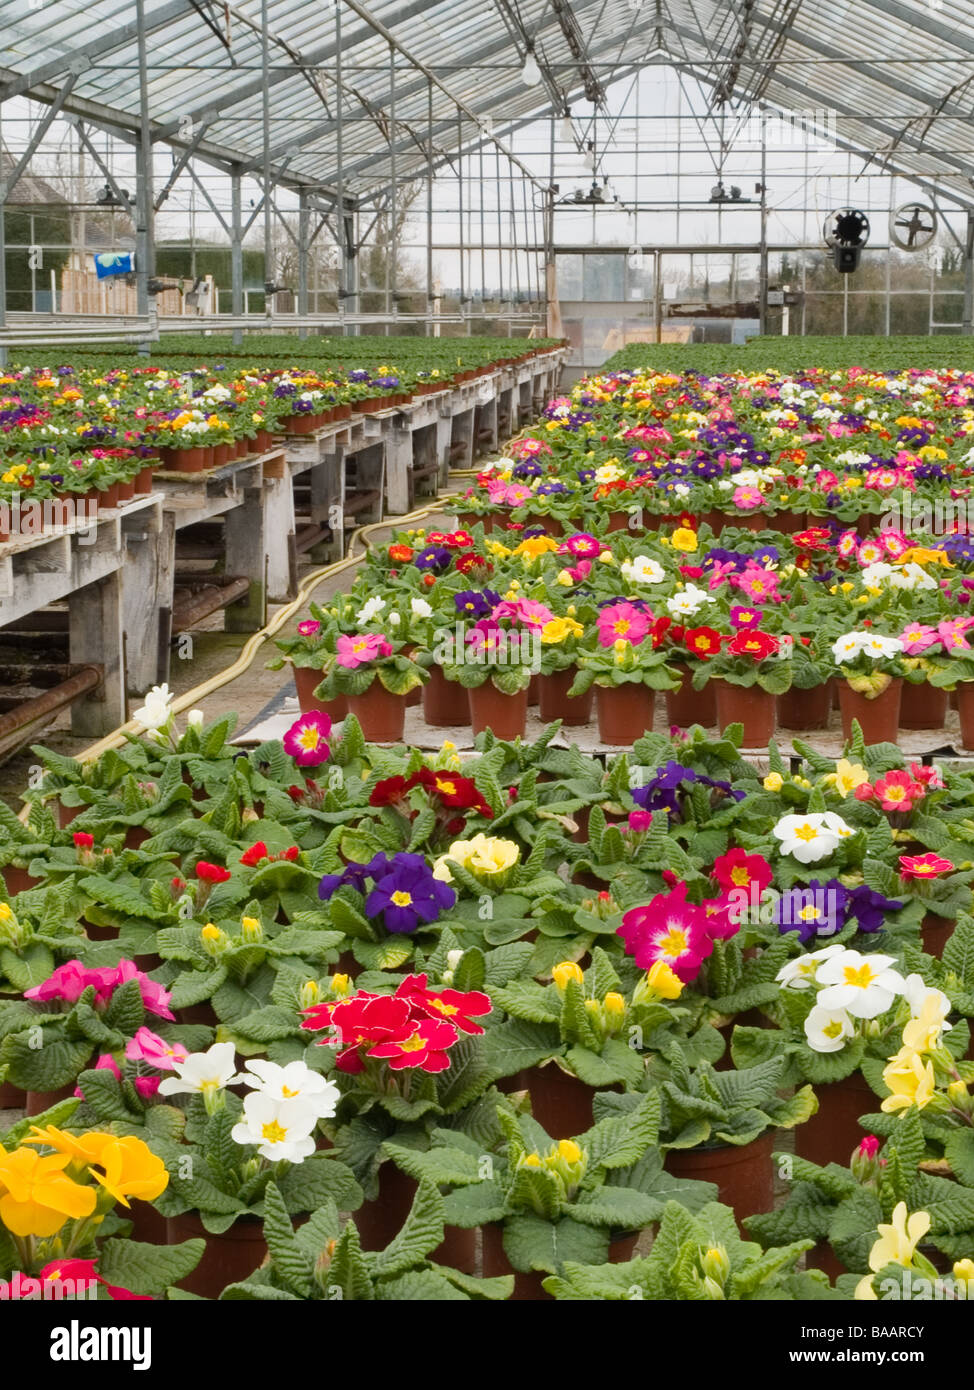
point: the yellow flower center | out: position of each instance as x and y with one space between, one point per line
862 977
288 1094
740 877
674 943
273 1132
401 898
308 738
806 832
443 1007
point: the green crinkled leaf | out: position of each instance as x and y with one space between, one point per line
419 1286
348 1271
531 1242
293 1265
616 1063
421 1232
147 1269
475 1205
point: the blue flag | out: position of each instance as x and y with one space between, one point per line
114 263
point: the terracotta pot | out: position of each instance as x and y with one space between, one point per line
625 712
751 521
108 497
229 1258
66 814
560 1103
805 709
744 1173
879 719
534 691
263 442
39 1101
833 1132
136 836
445 703
189 460
527 1287
380 1220
18 880
12 1097
305 679
922 706
555 703
414 697
96 933
821 1256
964 696
935 932
381 714
750 706
143 480
300 424
199 1013
491 709
148 1225
789 523
687 706
126 491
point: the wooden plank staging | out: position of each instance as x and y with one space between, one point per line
118 575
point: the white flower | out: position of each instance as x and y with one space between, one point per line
194 720
370 609
811 837
453 959
688 602
874 575
864 986
281 1129
420 608
202 1071
848 647
876 646
641 569
608 473
800 973
296 1082
155 712
827 1029
912 576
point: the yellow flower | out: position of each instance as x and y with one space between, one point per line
559 629
38 1196
484 856
684 539
535 546
964 1269
614 1005
569 1151
773 782
848 776
911 1082
131 1169
532 1161
922 1034
564 972
661 982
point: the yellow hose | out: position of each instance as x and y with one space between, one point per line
249 650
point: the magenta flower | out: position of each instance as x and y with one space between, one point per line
747 498
757 584
147 1046
146 1085
951 633
69 982
668 929
309 627
524 610
582 546
622 622
364 646
745 617
307 739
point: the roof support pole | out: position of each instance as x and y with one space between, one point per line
145 249
304 231
429 205
460 207
265 60
763 249
3 257
392 247
236 253
968 324
344 287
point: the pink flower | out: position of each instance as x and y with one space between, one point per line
582 546
309 627
524 610
920 866
848 544
70 981
146 1086
895 543
929 776
364 646
106 1062
154 997
747 498
640 821
951 632
147 1046
622 621
757 584
307 739
917 637
668 929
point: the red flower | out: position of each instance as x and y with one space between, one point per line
466 563
425 1047
254 855
757 645
738 869
82 839
702 641
923 865
211 873
456 1006
388 791
459 540
402 554
296 793
461 792
691 571
291 853
659 630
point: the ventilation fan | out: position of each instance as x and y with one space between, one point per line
912 226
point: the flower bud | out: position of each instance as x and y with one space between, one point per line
613 1012
194 720
249 815
865 1162
715 1264
251 930
660 982
567 970
12 933
309 995
960 1098
323 1265
569 1160
964 1269
341 985
215 940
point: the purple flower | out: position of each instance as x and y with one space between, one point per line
869 907
433 557
818 910
408 894
352 876
476 603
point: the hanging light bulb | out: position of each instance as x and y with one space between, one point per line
530 73
565 130
588 159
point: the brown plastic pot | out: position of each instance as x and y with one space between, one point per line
805 709
18 880
935 932
378 1221
554 701
922 706
143 480
748 705
879 719
560 1102
490 708
199 1013
528 1286
964 696
381 714
625 712
744 1173
229 1258
687 706
11 1096
189 460
305 680
39 1101
445 703
833 1133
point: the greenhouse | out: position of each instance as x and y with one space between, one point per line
486 619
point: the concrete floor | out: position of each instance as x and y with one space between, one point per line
212 651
